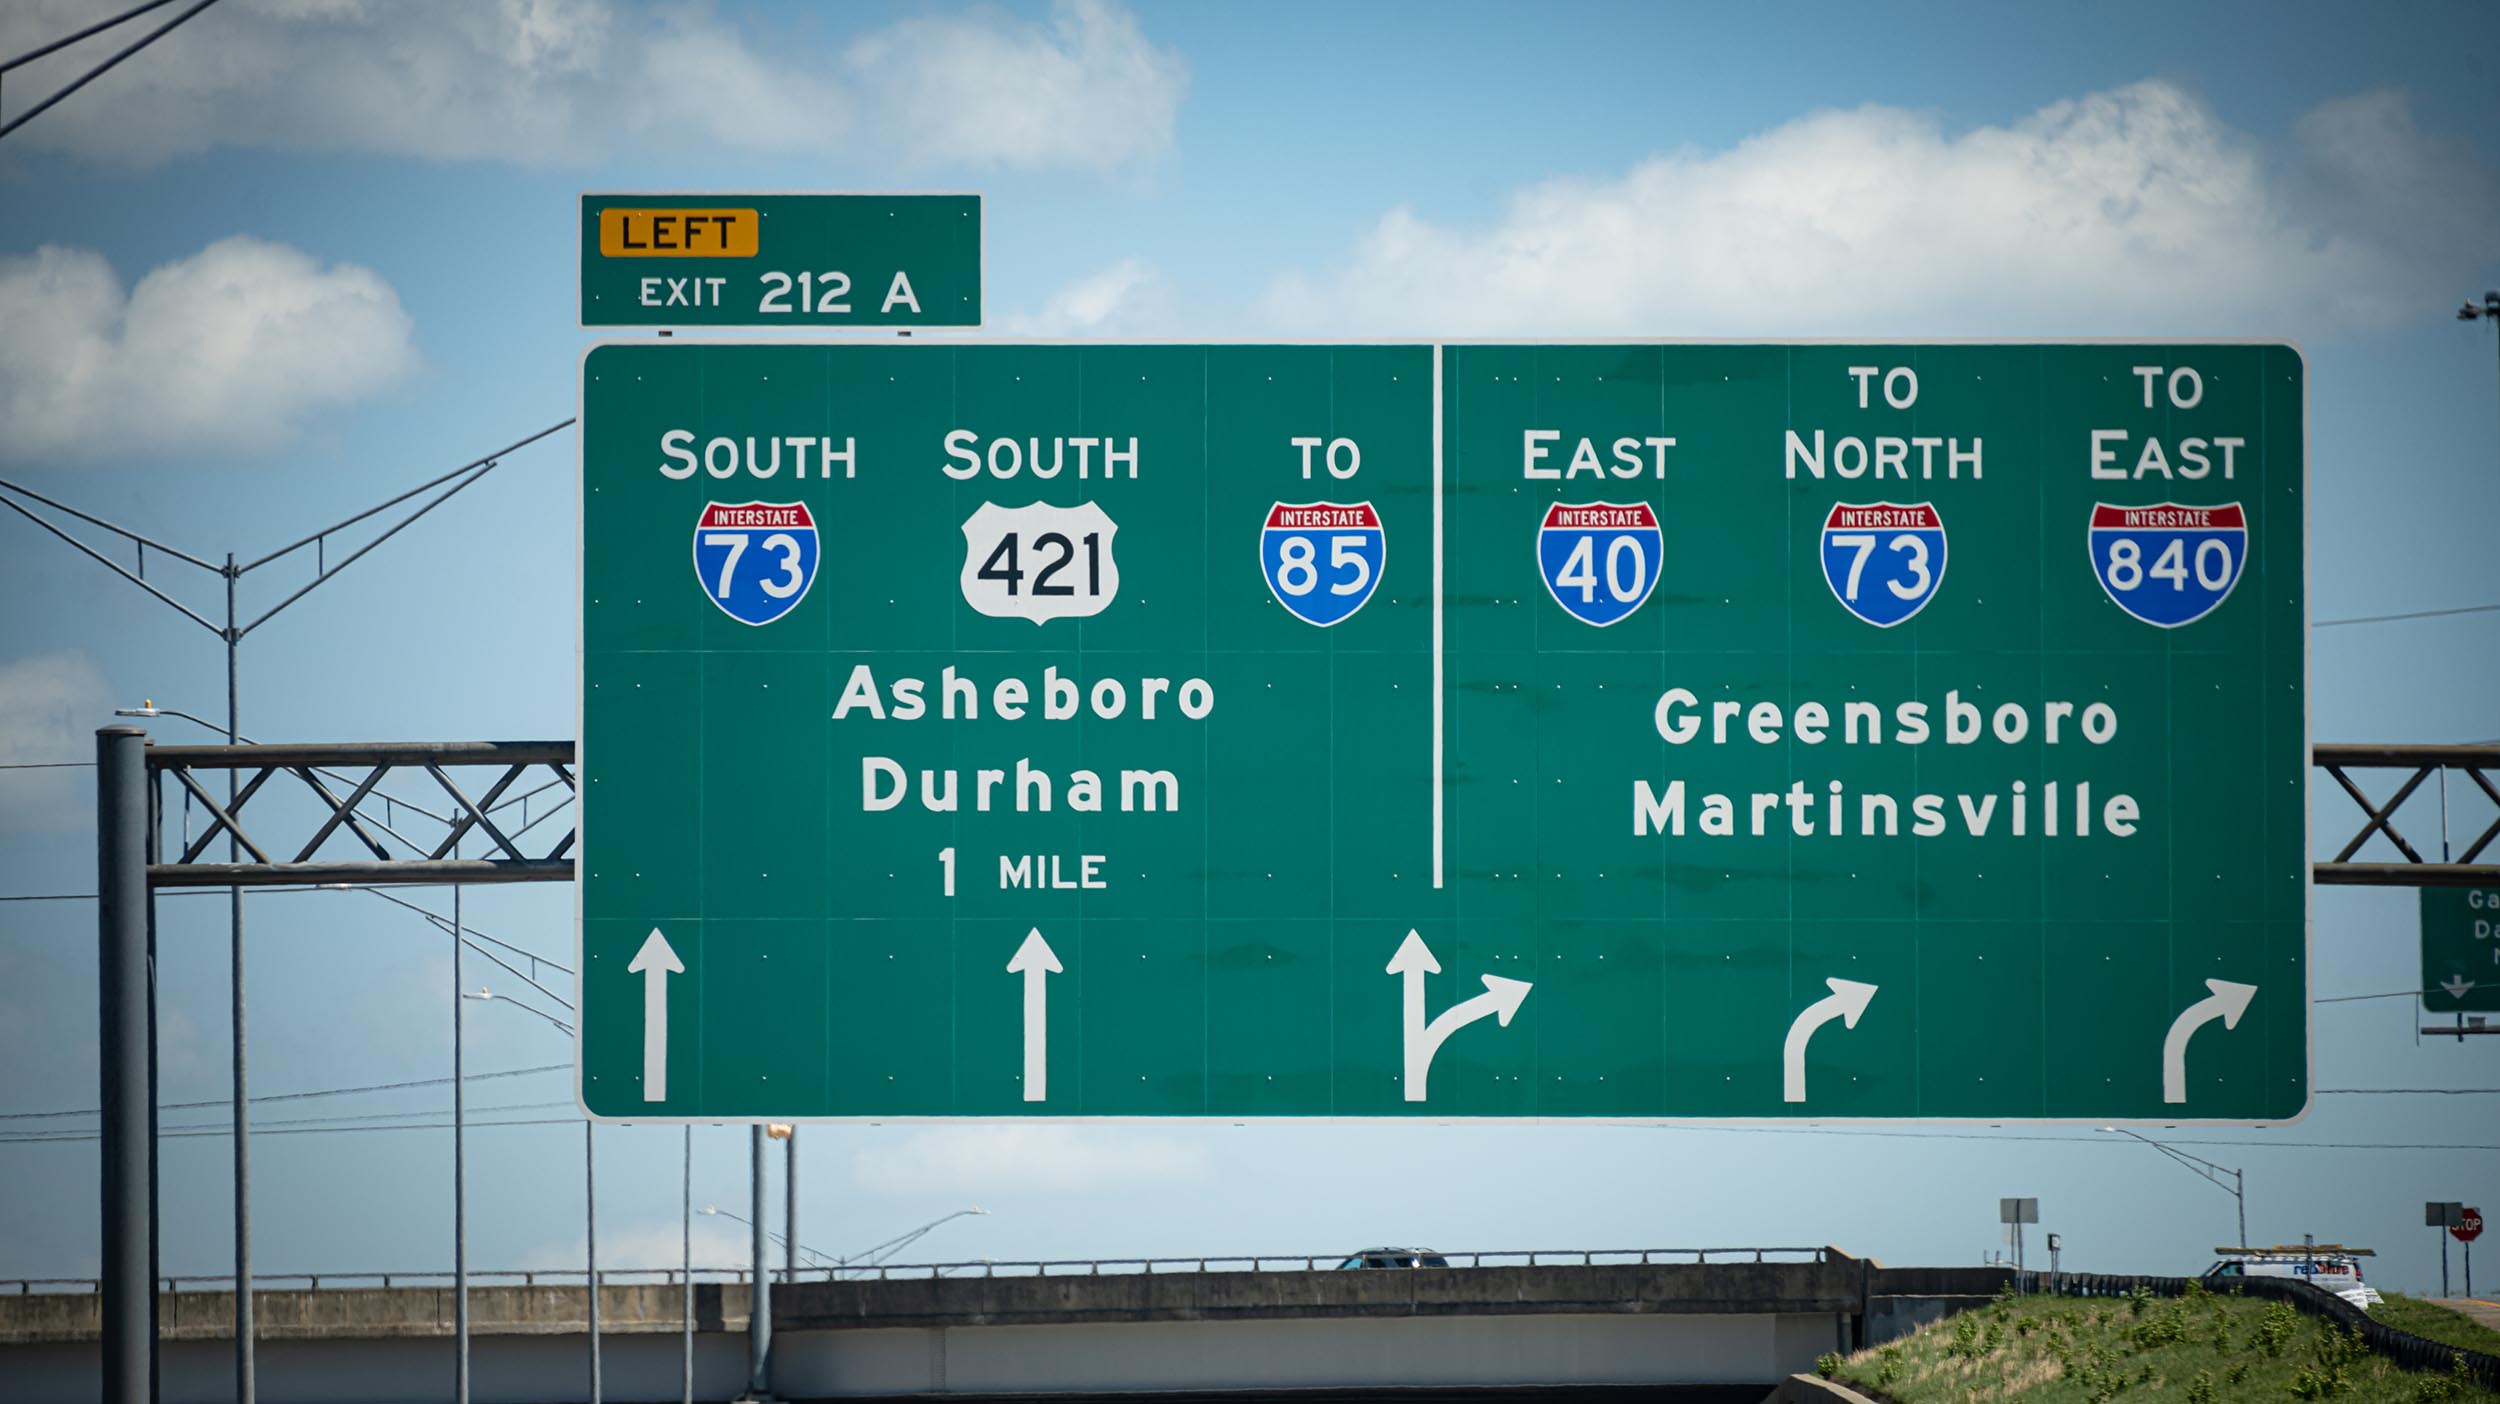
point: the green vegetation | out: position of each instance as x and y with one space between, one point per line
2197 1349
2435 1322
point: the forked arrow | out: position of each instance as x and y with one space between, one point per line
655 962
1501 999
1035 961
2227 1003
1847 1000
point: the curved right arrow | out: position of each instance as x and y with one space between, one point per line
1847 1000
2227 1003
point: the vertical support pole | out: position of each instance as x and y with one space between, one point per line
686 1228
459 1176
2239 1196
2443 1262
2469 1267
128 1189
590 1236
760 1309
245 1388
790 1208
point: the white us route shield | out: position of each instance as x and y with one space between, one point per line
1039 561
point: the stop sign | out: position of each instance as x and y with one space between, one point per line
2469 1226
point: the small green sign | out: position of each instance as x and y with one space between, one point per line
2460 950
693 260
1628 731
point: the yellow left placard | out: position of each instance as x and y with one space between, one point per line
679 233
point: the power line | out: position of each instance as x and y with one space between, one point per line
47 765
71 38
67 1138
2409 1091
302 1096
2412 614
101 69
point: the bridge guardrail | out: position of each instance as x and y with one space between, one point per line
976 1267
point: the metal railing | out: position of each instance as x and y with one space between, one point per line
976 1267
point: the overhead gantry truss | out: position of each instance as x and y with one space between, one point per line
340 808
2466 769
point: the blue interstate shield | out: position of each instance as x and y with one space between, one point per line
2168 564
1883 560
755 559
1323 560
1599 559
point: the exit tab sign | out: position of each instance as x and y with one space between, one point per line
815 261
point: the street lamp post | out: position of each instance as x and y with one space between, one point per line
2237 1184
590 1179
2487 310
231 634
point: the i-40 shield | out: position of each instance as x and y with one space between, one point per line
1883 560
1323 560
1600 559
755 560
1039 562
2168 564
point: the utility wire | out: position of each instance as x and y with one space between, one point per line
305 1096
345 1121
91 30
101 69
2411 614
46 765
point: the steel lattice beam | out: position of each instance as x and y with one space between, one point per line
2476 764
508 761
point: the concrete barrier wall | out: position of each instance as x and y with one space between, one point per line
1076 1359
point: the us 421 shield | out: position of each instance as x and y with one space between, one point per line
1883 560
2169 564
1323 560
1599 559
755 560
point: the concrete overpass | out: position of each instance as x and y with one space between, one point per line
1724 1325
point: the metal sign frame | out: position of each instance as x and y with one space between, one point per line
1441 473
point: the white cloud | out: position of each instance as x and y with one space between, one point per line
552 81
219 352
1088 89
1129 298
50 707
990 1160
2135 211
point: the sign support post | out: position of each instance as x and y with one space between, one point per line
760 1314
127 1010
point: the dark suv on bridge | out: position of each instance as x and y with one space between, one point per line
1395 1258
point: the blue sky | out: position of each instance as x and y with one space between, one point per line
297 257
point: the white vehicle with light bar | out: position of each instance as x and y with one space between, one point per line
2331 1267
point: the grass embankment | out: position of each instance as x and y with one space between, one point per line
2197 1349
2432 1321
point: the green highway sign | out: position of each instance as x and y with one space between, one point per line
2460 949
815 261
1628 731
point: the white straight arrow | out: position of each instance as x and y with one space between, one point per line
655 962
1501 999
2227 1003
2456 986
1035 961
1847 1000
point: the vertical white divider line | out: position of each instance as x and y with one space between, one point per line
1437 597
